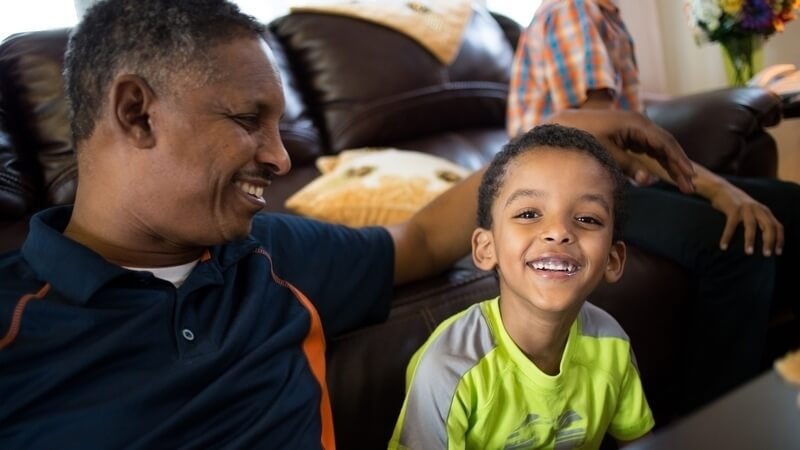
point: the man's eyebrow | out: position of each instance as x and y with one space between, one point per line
524 193
597 198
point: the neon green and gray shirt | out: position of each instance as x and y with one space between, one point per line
471 387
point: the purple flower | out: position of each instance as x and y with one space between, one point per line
757 16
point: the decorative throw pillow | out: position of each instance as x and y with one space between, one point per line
371 186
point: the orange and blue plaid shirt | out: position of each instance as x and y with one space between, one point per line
570 48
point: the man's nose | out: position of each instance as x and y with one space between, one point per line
273 154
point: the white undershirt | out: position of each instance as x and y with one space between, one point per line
174 274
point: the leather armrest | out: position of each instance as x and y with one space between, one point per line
721 129
16 186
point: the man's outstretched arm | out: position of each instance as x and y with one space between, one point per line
439 234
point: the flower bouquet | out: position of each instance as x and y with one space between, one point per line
740 26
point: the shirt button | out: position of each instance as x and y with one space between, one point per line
187 334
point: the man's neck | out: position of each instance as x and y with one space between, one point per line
118 240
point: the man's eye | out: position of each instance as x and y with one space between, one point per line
248 121
589 220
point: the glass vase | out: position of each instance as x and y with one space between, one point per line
743 57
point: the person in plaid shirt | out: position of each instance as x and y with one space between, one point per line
579 54
573 53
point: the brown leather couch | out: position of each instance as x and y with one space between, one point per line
350 83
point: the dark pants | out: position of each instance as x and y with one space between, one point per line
726 328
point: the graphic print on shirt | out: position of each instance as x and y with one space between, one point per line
535 429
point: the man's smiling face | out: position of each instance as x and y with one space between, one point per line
218 147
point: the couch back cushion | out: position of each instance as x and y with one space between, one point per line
37 158
373 85
723 130
32 89
17 188
299 133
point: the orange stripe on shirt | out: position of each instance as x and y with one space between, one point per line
314 349
16 318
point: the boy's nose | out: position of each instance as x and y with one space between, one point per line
558 232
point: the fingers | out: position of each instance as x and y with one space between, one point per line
644 136
635 169
750 227
727 233
643 177
779 237
754 218
621 130
771 232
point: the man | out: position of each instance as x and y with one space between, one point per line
161 310
579 54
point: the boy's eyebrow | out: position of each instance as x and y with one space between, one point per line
524 193
596 198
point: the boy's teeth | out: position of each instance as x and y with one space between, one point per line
552 265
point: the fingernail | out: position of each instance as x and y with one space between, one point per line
779 251
767 253
723 246
749 250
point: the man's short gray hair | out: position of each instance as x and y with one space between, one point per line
154 39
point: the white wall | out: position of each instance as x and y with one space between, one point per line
672 63
641 18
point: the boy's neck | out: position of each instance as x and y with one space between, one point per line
541 337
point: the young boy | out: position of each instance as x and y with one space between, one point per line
537 367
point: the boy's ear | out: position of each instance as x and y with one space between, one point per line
131 101
483 254
616 262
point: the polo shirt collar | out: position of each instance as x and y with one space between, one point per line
71 268
78 272
229 254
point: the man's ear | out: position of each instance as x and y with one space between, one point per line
131 101
616 262
483 253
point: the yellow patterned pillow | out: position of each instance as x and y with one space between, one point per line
374 186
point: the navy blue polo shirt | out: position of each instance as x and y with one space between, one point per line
106 358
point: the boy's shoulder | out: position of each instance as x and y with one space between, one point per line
601 342
463 339
596 322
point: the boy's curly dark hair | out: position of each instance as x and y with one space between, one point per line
557 137
155 39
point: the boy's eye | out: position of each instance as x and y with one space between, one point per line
530 214
589 220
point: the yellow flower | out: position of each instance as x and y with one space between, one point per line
732 7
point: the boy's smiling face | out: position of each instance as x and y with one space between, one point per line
552 229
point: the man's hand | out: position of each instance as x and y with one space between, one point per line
620 131
739 207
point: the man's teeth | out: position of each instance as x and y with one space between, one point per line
247 188
554 265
